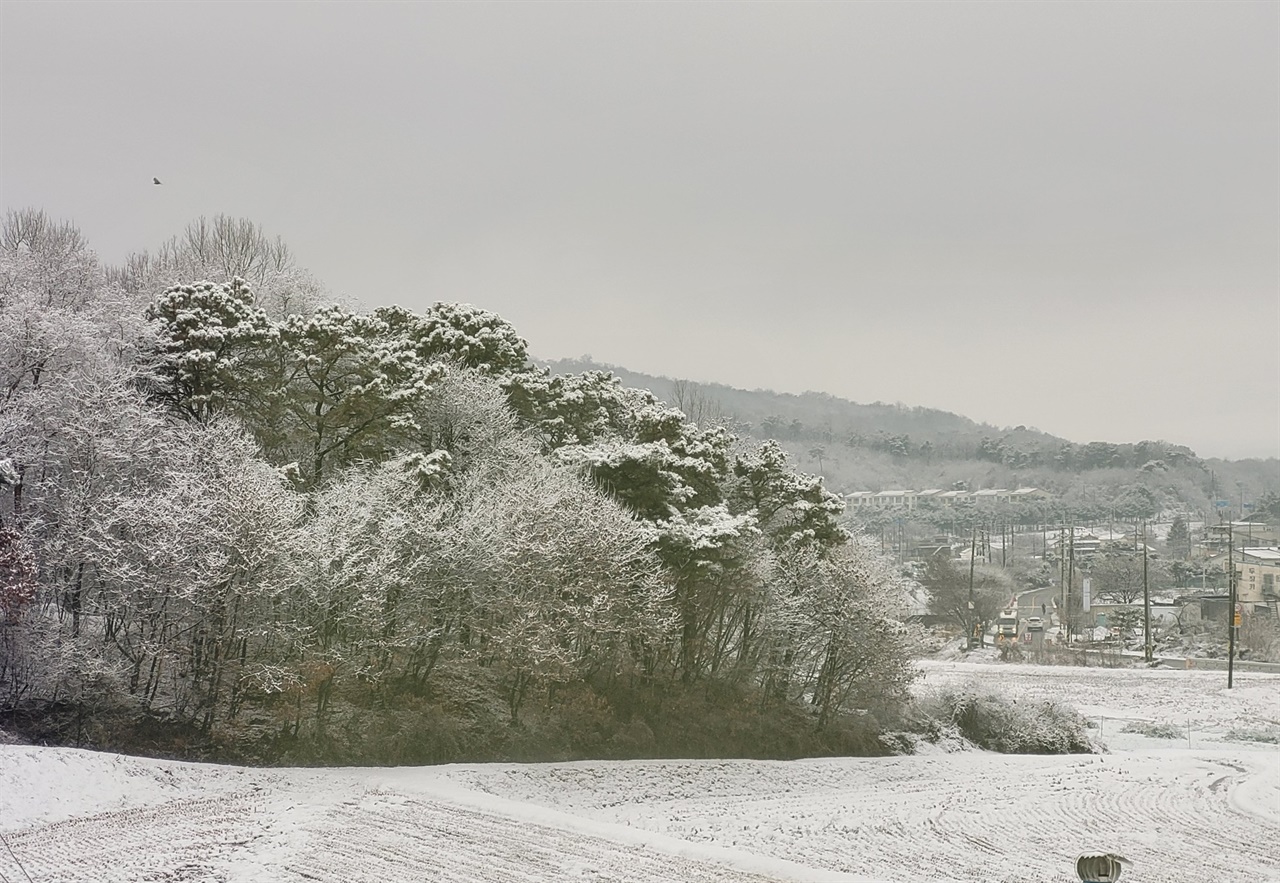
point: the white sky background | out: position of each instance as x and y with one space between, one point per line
1064 215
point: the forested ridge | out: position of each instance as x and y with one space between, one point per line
241 521
882 446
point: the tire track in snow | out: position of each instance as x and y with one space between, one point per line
911 819
183 840
387 836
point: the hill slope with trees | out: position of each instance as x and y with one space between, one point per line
861 447
242 522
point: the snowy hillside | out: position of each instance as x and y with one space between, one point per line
1210 811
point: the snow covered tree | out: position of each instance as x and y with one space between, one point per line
947 582
466 414
1118 574
717 569
88 441
17 575
455 526
358 600
659 464
849 651
461 334
348 390
183 567
535 575
566 583
574 409
208 335
793 509
1136 501
1179 537
49 259
220 250
57 314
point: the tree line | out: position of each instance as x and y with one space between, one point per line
287 528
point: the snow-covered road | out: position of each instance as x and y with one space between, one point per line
1181 814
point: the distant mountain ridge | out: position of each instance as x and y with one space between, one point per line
858 447
843 417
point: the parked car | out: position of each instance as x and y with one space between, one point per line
1035 624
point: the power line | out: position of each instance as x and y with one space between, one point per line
15 860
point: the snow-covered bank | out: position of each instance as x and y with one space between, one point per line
1209 812
1195 702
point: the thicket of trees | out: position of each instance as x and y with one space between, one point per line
289 529
947 582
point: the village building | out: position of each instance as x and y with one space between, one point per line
910 500
1258 576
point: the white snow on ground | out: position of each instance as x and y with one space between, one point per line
1113 698
1210 811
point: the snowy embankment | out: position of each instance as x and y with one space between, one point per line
1210 811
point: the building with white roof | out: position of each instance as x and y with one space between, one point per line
1258 575
910 500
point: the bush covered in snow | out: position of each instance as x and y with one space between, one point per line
1156 730
1203 639
1266 735
995 722
1260 638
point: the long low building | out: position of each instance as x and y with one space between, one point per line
909 499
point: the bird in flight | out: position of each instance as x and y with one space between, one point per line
155 180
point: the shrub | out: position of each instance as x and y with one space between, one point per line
1269 736
1162 730
992 721
1260 638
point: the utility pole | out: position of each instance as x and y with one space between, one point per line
1071 579
1062 575
1231 607
973 552
1146 599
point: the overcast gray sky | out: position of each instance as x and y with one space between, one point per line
1064 215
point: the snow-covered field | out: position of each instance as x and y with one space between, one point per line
1206 812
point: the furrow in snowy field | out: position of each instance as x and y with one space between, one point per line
946 818
1183 815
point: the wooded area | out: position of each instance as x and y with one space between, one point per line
240 521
